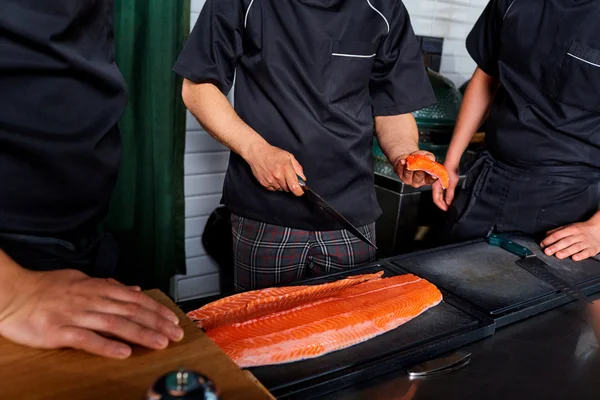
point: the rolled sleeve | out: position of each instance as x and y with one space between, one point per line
214 46
483 42
399 83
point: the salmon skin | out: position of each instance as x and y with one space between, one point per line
418 162
244 306
349 316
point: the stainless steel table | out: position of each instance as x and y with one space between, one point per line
555 355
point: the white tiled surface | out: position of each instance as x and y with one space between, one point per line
451 20
205 163
206 159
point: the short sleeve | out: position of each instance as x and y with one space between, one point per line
214 46
483 42
399 83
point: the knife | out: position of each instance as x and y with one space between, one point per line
313 197
441 365
532 264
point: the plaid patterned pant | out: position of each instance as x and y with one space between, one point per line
266 255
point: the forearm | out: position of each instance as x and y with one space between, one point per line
397 135
219 119
473 111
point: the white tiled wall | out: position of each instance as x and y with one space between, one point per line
204 168
451 20
206 159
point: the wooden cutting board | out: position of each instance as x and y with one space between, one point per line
68 374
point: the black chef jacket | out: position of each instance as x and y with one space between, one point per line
61 95
546 55
310 76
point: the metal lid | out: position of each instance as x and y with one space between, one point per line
184 385
443 114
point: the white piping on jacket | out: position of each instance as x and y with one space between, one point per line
247 11
352 55
382 16
585 61
508 9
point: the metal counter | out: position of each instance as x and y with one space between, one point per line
555 355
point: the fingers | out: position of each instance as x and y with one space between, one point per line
90 342
430 180
282 174
557 235
117 283
292 184
407 176
554 230
438 196
121 328
428 154
129 296
562 244
418 178
583 255
571 250
450 193
298 168
142 316
291 180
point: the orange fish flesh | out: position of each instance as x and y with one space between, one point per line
244 306
345 318
418 162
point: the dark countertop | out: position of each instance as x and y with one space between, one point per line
554 355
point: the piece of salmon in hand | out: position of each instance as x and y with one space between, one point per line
419 162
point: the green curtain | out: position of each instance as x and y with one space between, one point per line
147 210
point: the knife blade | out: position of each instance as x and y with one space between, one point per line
532 264
315 198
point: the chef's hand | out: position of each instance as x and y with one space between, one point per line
415 179
276 169
66 308
578 241
443 199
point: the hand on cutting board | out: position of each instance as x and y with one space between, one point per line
578 241
276 169
415 179
443 199
66 308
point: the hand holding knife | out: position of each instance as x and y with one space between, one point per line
314 198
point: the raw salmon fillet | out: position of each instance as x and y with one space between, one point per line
350 316
417 162
244 306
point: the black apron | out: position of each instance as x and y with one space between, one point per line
531 201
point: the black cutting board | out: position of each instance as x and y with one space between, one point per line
488 277
443 328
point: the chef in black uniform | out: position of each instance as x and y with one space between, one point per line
538 83
61 95
315 79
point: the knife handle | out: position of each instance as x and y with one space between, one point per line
301 181
509 245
